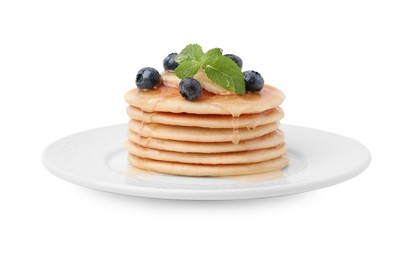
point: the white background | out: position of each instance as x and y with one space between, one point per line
346 66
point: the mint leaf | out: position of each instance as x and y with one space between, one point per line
225 73
220 78
211 54
191 52
187 69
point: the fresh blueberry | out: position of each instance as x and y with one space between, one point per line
169 61
253 81
190 88
147 78
236 59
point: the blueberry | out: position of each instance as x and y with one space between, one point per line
236 59
190 88
253 81
147 78
169 62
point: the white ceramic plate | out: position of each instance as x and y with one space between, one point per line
97 159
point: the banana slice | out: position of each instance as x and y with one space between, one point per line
170 80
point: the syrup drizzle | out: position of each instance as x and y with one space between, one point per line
235 133
167 97
147 117
146 141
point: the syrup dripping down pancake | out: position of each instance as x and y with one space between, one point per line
243 157
272 139
199 134
216 135
209 121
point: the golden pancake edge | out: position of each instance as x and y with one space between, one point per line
216 135
209 121
167 99
272 139
204 170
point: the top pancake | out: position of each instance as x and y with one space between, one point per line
168 99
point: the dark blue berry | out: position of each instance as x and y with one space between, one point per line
147 78
253 81
236 59
190 88
169 62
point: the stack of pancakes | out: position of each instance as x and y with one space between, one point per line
215 135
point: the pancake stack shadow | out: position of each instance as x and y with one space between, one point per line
204 144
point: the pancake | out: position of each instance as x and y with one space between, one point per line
209 121
168 99
210 158
207 170
199 134
269 140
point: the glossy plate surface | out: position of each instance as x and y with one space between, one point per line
97 159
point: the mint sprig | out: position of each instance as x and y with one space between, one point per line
218 68
187 69
211 54
191 52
